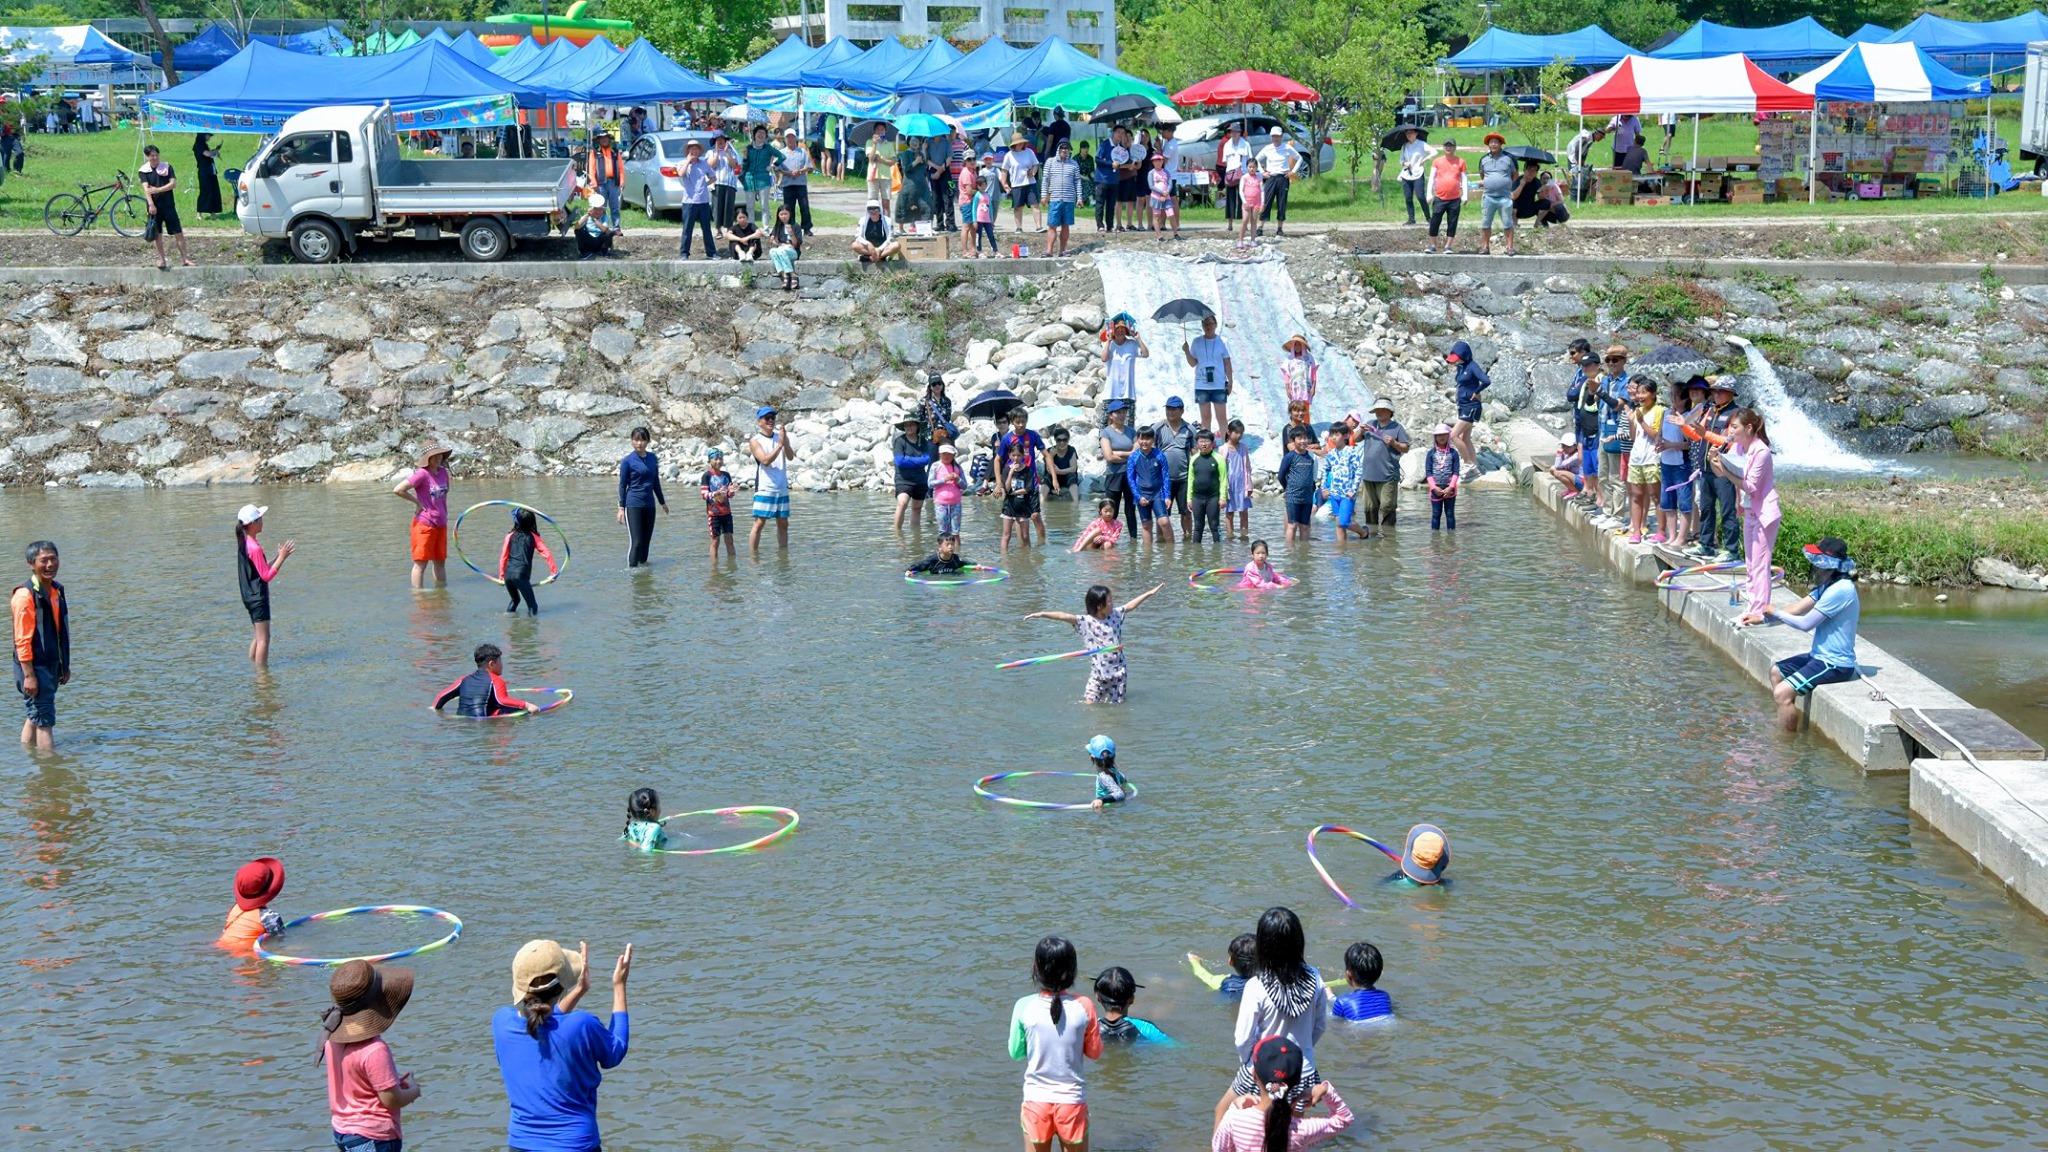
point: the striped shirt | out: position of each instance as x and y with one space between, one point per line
1244 1129
1062 181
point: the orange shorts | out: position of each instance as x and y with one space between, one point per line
1043 1121
429 543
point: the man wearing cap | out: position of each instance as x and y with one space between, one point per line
42 644
1617 433
772 453
1117 445
1055 130
1032 445
796 181
1019 172
1496 194
605 171
1717 492
874 240
911 450
1579 154
1279 162
1584 397
1830 612
1382 441
1175 438
696 177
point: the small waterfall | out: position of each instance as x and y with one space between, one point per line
1797 440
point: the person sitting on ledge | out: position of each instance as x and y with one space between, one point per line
876 241
1829 612
744 236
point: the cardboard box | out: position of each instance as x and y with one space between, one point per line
926 247
1869 190
1865 167
1746 192
1653 201
1791 188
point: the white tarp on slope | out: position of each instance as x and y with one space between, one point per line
1257 309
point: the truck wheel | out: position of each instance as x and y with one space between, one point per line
315 242
647 205
484 241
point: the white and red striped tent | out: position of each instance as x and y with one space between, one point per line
1647 86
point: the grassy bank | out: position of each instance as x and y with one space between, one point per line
1928 533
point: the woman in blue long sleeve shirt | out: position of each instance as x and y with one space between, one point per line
639 492
551 1057
911 450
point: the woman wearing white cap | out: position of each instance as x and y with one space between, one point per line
255 573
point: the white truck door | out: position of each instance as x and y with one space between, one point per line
302 175
352 169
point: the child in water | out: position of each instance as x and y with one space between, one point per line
1053 1031
1259 571
947 481
1425 856
1102 626
717 488
515 559
1441 467
946 561
250 917
1237 499
1102 532
1117 990
256 573
1244 952
1110 785
1019 484
643 820
483 693
1362 966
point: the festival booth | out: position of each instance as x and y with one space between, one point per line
1802 41
429 88
1645 87
77 56
1889 124
1501 51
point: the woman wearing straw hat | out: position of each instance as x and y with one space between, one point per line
551 1057
1019 170
427 489
365 1090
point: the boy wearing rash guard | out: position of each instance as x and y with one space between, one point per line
1298 483
1362 965
1243 952
1146 475
946 561
1110 785
483 692
1116 990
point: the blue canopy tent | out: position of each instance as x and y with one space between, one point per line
1957 40
782 67
474 50
1049 64
575 71
327 41
428 86
439 35
520 67
1880 74
861 71
76 55
644 76
1499 50
833 54
1802 39
989 58
1870 34
208 50
936 55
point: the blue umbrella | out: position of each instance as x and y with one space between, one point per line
930 103
922 124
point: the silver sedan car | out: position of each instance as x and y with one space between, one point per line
653 170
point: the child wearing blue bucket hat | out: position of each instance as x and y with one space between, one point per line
1110 785
1426 854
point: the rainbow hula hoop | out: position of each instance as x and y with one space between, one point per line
981 789
1030 660
374 909
740 810
958 581
562 696
1195 579
1669 578
1325 873
455 538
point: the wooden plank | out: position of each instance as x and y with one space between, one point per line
1983 732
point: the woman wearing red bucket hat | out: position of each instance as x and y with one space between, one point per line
257 883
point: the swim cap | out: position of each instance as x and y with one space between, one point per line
1101 746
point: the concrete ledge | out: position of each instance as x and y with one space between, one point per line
1867 271
374 270
1993 813
1858 722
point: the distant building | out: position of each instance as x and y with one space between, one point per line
1089 25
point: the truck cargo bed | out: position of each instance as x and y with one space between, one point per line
473 187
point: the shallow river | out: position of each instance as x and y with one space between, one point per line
1668 926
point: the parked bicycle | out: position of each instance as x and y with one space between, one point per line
68 214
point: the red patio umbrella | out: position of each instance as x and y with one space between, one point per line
1244 87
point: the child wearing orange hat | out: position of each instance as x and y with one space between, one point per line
257 883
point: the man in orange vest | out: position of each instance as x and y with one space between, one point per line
42 644
606 173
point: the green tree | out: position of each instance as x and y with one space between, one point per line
701 34
1380 63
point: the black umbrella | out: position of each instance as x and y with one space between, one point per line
859 133
929 103
992 404
1129 104
1530 152
1392 141
1186 310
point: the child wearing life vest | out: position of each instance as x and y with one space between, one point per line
257 883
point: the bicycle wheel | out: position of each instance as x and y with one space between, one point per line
129 215
66 214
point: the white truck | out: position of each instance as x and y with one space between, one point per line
2034 107
334 176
